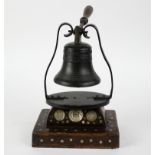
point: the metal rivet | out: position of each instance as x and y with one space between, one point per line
50 120
41 140
85 129
61 141
95 130
101 121
40 129
90 140
67 121
109 141
75 130
83 122
52 140
70 139
100 141
81 141
66 129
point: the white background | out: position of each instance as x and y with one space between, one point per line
30 33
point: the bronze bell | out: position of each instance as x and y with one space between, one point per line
77 69
77 119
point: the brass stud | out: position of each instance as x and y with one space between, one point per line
83 122
52 140
62 141
81 141
70 139
100 142
109 141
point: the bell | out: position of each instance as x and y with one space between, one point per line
77 69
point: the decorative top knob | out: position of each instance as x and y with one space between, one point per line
88 10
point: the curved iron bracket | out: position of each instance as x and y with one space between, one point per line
70 32
103 54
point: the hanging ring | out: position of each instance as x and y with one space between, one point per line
103 54
70 32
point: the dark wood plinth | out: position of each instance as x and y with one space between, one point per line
76 138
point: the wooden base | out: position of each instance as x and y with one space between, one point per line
76 138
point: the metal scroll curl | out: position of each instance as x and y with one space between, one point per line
70 32
85 34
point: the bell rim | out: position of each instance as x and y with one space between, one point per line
77 84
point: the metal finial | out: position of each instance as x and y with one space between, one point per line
88 10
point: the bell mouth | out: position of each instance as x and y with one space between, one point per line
77 84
